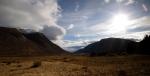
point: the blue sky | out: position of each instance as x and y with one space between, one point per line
89 19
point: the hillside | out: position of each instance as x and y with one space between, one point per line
116 46
13 42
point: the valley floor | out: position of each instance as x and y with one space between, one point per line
75 66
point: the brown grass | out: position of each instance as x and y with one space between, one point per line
75 66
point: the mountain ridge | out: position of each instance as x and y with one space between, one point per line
14 42
116 46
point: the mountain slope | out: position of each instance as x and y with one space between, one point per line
110 45
40 40
15 43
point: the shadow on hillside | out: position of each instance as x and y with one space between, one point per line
117 46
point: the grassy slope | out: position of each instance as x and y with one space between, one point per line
75 66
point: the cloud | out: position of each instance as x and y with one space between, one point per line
127 2
73 45
107 1
53 32
145 7
140 25
134 29
140 28
71 26
31 14
130 2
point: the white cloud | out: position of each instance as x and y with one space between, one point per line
134 29
145 7
142 21
29 14
99 27
130 2
107 1
73 45
71 26
127 2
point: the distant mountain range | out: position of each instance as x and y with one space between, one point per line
14 42
17 42
117 46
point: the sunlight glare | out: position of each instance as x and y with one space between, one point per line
119 23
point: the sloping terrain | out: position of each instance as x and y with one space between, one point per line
117 46
110 45
13 42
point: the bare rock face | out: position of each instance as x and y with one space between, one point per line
13 42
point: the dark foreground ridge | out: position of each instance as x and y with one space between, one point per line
117 46
14 42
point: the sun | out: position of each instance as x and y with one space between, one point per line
119 23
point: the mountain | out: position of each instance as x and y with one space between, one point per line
14 42
40 40
110 46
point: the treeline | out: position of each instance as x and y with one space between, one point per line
144 45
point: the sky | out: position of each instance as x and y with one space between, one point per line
87 21
73 24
